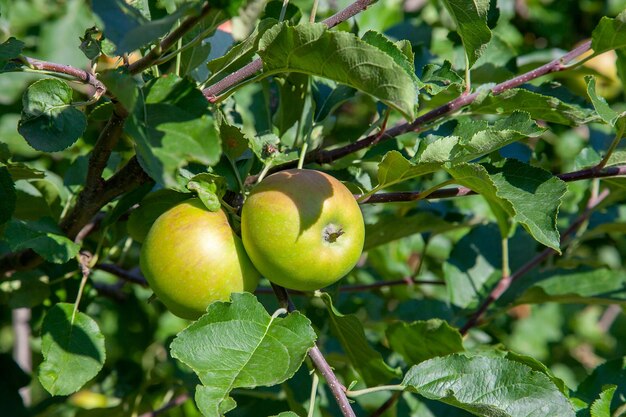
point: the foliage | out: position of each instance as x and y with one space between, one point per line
481 138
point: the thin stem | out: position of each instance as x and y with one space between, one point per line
506 271
264 172
314 384
305 146
167 42
318 359
616 140
212 91
506 281
233 164
365 391
179 45
313 11
84 258
283 10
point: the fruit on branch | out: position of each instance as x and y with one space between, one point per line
191 257
150 208
302 229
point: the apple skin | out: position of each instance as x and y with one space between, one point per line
191 257
302 229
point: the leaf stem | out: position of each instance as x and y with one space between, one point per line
313 11
264 172
616 140
506 271
283 10
314 384
84 259
365 391
305 146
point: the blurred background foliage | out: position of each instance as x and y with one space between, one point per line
571 339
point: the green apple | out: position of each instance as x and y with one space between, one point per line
302 229
191 257
150 208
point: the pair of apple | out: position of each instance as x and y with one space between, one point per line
301 229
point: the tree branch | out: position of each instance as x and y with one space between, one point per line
506 281
212 91
318 359
170 40
79 74
405 196
327 156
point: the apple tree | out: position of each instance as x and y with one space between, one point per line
471 149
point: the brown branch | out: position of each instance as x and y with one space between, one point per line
212 91
170 40
419 124
122 273
405 196
506 281
79 74
318 359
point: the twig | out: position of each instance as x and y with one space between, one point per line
609 316
81 75
212 91
506 281
170 40
179 400
318 360
405 196
327 156
387 404
122 273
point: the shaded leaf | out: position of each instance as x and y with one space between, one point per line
609 34
9 49
610 373
42 236
367 361
292 93
238 345
439 77
328 96
122 85
423 340
49 123
340 56
73 350
471 21
172 126
488 386
25 289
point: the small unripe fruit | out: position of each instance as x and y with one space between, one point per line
191 257
302 229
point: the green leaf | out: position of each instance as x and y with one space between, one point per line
610 373
391 228
400 57
423 340
607 114
539 106
7 195
530 195
238 345
128 28
440 77
488 386
339 56
292 94
395 168
42 236
234 141
367 361
49 123
9 49
210 189
72 348
602 406
172 126
609 34
25 289
122 85
269 149
471 24
593 286
240 54
328 96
